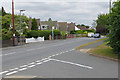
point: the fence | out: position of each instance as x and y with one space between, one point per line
30 40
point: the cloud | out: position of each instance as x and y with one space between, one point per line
79 12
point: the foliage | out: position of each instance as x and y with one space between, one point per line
114 37
33 33
6 35
42 33
49 19
34 24
81 31
102 24
3 12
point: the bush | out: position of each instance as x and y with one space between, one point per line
6 36
32 33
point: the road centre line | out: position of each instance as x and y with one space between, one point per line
30 65
39 48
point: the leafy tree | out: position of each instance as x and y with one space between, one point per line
49 19
6 21
87 26
82 25
114 37
102 23
34 24
3 12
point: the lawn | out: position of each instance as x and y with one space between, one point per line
104 50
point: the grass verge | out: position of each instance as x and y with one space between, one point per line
104 50
78 48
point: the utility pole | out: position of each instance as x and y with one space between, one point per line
13 22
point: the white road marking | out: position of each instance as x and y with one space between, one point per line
22 69
31 66
23 66
3 72
31 63
8 54
13 69
73 63
11 73
38 62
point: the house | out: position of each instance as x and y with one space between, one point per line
71 26
62 26
82 27
47 25
38 22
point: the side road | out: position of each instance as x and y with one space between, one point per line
86 49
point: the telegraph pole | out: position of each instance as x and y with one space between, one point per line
13 22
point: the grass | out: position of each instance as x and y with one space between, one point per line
104 50
78 48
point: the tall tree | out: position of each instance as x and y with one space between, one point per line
34 24
49 19
114 37
3 12
102 23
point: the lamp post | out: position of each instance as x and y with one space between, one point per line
52 33
13 22
20 17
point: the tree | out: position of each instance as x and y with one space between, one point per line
34 24
49 19
114 37
82 25
102 24
3 12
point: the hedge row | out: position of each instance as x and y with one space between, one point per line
81 31
41 33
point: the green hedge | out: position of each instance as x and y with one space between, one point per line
42 33
81 31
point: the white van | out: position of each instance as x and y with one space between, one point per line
90 34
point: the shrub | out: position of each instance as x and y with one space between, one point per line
33 33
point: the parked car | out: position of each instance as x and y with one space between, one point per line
90 34
97 35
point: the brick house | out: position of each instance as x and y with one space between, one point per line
62 26
71 26
82 27
47 25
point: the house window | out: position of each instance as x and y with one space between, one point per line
43 27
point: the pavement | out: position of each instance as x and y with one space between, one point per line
56 59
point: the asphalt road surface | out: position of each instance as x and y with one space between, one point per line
56 59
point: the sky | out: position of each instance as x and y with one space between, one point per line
78 11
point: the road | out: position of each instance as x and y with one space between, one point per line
56 59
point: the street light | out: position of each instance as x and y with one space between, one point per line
20 17
53 33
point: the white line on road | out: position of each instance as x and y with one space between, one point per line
8 54
73 63
3 72
13 69
22 69
23 66
11 73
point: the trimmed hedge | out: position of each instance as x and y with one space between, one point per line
42 33
81 31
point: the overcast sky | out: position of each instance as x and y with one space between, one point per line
78 11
